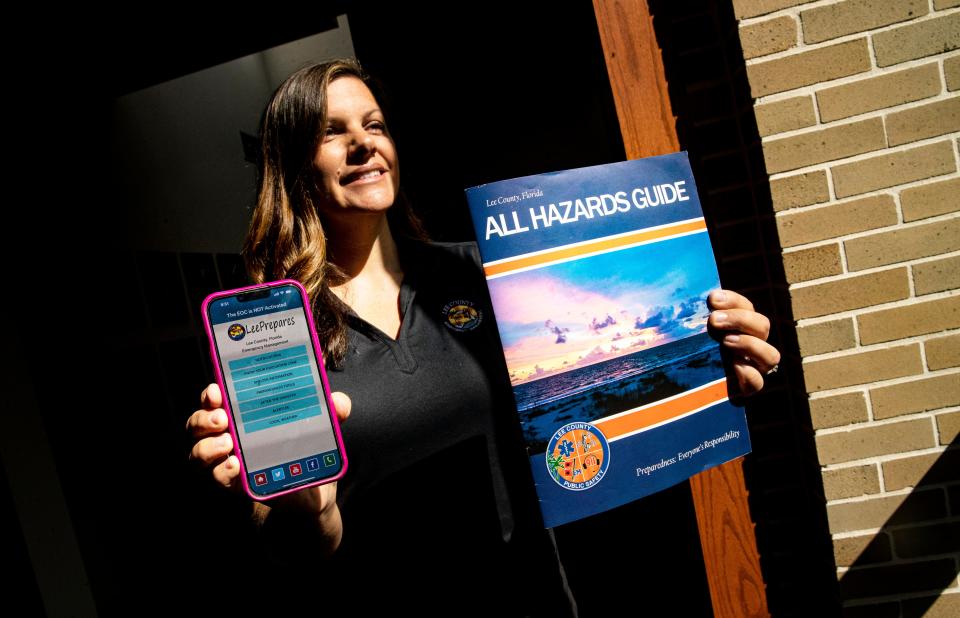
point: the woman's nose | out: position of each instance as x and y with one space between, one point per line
363 144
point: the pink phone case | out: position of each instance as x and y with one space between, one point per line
223 390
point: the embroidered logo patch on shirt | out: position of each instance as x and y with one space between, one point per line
462 315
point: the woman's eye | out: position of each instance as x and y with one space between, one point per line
376 127
330 132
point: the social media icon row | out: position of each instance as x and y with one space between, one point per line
277 474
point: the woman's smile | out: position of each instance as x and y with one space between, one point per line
365 174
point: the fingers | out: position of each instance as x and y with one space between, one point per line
213 445
204 423
728 299
745 321
743 332
749 379
342 404
227 472
209 451
753 351
211 397
210 420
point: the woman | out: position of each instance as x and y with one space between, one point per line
438 500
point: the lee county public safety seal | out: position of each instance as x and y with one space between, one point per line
578 456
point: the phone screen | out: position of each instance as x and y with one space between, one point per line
274 389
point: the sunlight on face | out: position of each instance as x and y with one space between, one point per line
356 164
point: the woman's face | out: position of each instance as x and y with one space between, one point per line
356 161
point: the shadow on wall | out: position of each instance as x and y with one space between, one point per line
916 550
716 124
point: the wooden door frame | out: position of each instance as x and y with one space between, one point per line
648 127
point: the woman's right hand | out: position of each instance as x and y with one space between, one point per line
290 520
213 449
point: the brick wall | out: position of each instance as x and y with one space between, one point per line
858 108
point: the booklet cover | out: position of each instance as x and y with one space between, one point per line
599 278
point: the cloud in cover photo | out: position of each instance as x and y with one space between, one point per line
578 313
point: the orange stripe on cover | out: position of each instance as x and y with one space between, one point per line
597 246
652 414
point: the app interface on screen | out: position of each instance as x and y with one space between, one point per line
274 388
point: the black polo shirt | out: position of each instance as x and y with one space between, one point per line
438 503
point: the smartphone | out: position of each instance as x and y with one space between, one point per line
269 366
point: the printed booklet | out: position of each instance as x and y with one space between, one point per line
599 278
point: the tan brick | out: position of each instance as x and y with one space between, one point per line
915 396
799 190
849 550
876 512
862 368
752 8
812 263
850 482
838 410
850 293
893 169
942 352
873 441
866 95
826 337
945 4
909 321
829 22
835 220
902 244
951 72
909 471
930 200
768 37
789 153
923 121
786 115
912 41
846 550
937 276
948 425
809 67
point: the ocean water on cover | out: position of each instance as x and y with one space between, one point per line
555 387
612 386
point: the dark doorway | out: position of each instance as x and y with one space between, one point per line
494 91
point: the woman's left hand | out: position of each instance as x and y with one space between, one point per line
743 332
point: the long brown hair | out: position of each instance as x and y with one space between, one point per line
286 239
